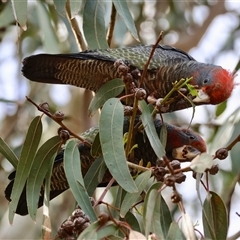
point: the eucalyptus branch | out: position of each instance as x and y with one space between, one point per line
58 120
75 28
104 192
233 143
176 86
138 167
150 57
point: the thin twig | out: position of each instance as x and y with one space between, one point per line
235 236
233 143
138 167
75 28
58 122
111 25
104 192
150 57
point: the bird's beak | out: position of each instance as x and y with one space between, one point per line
202 97
185 153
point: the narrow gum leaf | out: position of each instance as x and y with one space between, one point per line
46 225
75 180
150 130
175 232
90 178
187 227
214 217
94 24
40 166
20 12
51 42
150 205
94 231
132 221
8 153
201 162
129 199
25 162
123 10
60 6
136 235
96 149
111 134
109 90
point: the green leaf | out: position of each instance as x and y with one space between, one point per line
163 135
96 149
165 217
19 9
135 235
46 225
102 171
132 221
187 227
96 231
8 153
91 177
111 134
94 24
118 197
75 7
201 162
25 162
150 130
129 199
110 89
60 6
234 153
51 42
214 217
221 108
175 232
123 10
192 90
73 173
237 67
6 16
40 166
151 211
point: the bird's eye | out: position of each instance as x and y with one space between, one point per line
206 80
191 137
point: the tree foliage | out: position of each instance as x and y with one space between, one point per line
71 26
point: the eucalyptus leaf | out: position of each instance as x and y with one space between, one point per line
110 133
40 166
150 130
72 168
110 89
19 9
91 177
94 24
123 10
129 199
214 217
96 231
25 162
8 153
